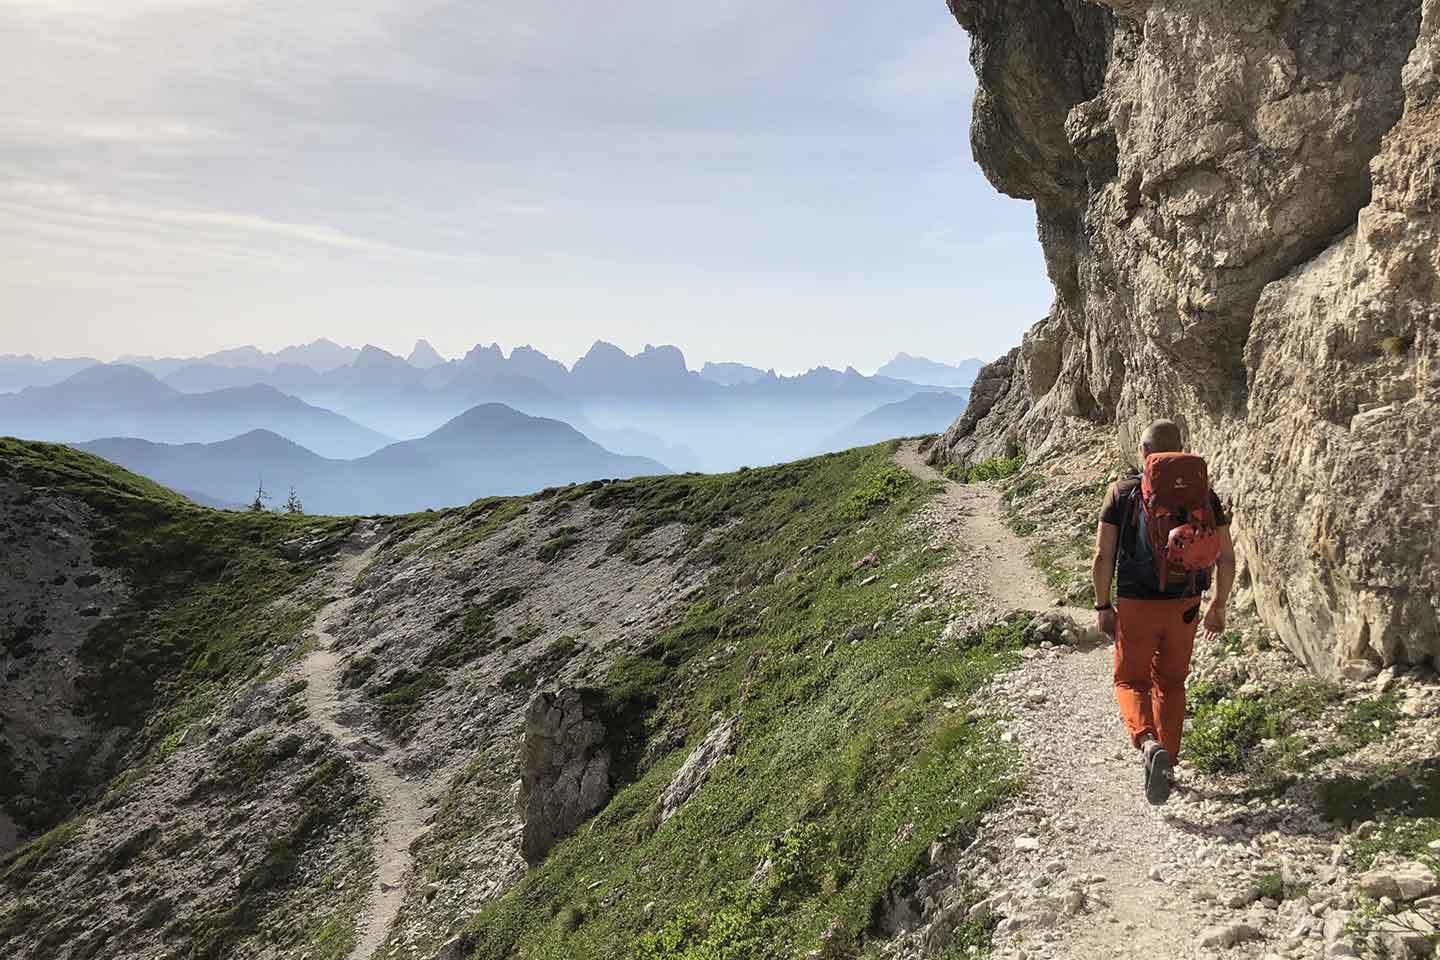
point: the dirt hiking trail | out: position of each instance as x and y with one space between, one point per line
1083 817
401 815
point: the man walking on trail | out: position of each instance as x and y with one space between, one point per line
1160 537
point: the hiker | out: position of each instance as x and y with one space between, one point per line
1160 536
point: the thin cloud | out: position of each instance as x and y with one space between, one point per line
37 203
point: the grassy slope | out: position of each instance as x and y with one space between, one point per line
202 609
849 763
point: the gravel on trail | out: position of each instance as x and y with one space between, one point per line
1079 865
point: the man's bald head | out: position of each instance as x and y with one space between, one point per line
1162 436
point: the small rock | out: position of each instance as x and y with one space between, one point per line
1027 844
1228 935
1156 874
1403 882
457 949
1243 898
1035 695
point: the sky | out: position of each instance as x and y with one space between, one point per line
786 185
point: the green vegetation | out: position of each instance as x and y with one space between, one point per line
1065 565
474 635
763 499
1407 799
996 468
559 542
399 697
849 764
481 520
1396 347
201 613
1230 727
330 793
1226 733
358 671
877 487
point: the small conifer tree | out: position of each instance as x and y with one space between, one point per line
261 498
293 505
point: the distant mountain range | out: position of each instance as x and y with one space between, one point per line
649 404
122 400
922 370
489 450
921 414
731 374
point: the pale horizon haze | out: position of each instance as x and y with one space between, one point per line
785 186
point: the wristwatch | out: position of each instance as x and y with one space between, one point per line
1104 606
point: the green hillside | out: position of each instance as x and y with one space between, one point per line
855 753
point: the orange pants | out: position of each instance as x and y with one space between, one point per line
1153 643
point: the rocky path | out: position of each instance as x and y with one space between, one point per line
1081 866
402 809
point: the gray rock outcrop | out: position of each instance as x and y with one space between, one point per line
1239 204
696 769
564 769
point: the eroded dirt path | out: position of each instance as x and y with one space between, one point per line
1083 824
402 813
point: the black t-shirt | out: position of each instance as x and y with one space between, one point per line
1116 512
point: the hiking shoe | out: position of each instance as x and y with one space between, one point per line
1159 773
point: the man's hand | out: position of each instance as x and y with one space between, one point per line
1106 623
1214 621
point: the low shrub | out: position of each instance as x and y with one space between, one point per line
996 468
1226 732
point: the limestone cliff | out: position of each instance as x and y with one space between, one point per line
1239 204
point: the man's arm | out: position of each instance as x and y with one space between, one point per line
1224 581
1102 571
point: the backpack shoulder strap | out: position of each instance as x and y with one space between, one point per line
1130 524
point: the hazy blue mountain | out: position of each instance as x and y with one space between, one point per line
239 357
424 356
484 361
18 371
531 363
659 372
638 443
486 451
914 416
226 472
320 355
732 374
205 377
242 409
114 385
921 370
296 379
120 400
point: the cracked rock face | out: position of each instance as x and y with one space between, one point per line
1239 204
564 769
52 594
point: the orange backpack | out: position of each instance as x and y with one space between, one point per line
1175 517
